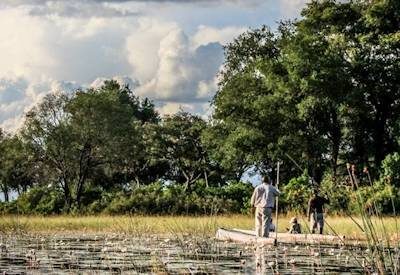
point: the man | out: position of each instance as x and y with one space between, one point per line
315 212
263 199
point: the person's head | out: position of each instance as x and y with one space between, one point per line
293 220
266 179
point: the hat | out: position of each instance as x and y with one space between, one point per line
293 220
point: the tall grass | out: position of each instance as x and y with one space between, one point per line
381 236
200 225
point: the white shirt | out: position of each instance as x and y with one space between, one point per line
264 196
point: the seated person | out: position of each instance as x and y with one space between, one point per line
295 227
272 227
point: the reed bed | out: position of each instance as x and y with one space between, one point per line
194 225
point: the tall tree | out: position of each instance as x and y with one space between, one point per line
94 131
316 88
183 149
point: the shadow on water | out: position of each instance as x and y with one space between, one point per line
114 254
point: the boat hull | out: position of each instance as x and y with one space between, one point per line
248 236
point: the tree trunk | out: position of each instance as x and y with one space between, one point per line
336 139
84 164
67 197
206 177
6 195
379 138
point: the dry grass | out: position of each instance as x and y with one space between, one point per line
202 225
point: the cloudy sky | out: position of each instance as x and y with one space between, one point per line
167 50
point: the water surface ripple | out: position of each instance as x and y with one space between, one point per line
182 254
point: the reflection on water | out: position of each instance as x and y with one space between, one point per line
114 254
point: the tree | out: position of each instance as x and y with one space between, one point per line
252 104
323 88
19 169
95 131
229 159
183 149
48 134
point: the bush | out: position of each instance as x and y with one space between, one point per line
40 200
240 193
296 194
391 169
173 199
377 198
338 194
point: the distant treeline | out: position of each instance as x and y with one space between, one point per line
317 93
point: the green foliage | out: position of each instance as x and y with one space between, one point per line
174 199
381 198
296 194
40 200
391 169
322 90
339 194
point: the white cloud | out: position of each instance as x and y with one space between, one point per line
63 45
170 65
291 8
62 48
121 80
208 34
18 96
169 108
84 9
142 46
183 73
174 107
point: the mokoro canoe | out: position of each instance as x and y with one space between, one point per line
248 236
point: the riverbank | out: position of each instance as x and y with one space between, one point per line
201 225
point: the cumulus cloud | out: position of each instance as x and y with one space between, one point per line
142 46
207 34
200 109
174 66
62 48
183 74
62 45
292 8
158 58
80 9
41 2
18 96
121 80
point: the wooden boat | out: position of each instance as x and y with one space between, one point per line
248 236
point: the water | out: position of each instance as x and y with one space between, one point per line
123 254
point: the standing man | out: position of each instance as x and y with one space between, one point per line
263 199
315 212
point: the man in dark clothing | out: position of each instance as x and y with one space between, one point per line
316 212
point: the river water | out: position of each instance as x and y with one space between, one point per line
124 254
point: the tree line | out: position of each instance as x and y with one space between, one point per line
318 93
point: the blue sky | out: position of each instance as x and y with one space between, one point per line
167 50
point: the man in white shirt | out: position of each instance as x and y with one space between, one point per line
263 199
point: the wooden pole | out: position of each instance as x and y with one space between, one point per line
276 205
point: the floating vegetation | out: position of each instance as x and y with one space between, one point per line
116 253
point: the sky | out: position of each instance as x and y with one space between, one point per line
167 50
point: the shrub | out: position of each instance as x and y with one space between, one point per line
40 200
173 199
296 194
377 198
391 169
338 194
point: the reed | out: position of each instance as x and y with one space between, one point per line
385 227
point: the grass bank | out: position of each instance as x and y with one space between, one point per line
201 225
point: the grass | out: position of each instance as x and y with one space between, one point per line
202 225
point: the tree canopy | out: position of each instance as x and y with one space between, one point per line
317 93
